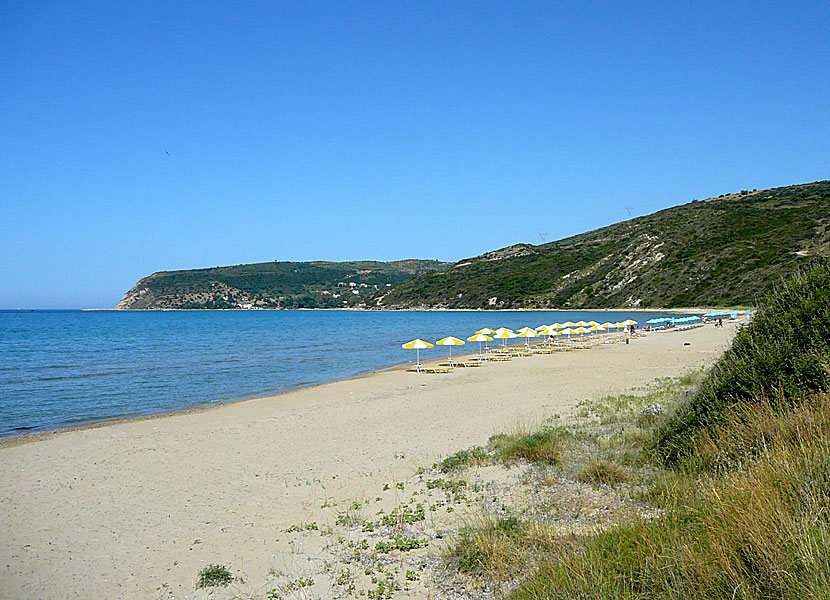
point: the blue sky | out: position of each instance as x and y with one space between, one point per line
344 131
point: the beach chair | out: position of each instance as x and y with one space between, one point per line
434 370
469 363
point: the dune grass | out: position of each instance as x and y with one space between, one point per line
761 531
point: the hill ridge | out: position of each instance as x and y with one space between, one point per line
717 251
277 284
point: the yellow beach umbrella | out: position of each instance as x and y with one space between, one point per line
629 322
504 334
607 325
596 328
480 338
416 345
523 329
486 331
567 332
528 333
568 324
544 330
583 324
450 341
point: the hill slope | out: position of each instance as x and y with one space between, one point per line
721 251
272 285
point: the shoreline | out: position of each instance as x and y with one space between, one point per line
25 437
112 511
19 439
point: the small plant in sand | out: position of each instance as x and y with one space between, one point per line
351 516
214 576
404 514
464 458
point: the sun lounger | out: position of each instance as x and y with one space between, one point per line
439 369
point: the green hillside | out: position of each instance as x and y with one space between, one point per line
273 285
721 251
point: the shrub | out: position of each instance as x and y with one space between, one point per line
783 354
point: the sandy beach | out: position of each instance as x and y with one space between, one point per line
117 511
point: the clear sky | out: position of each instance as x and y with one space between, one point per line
147 136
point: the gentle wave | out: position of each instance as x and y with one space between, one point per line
66 368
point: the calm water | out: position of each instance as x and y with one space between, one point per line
64 368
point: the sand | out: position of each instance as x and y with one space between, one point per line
120 511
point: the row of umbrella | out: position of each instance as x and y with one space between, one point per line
672 320
503 333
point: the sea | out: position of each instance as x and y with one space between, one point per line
67 368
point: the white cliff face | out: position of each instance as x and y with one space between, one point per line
140 296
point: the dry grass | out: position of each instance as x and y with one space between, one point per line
604 472
760 531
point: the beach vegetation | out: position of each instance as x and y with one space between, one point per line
781 358
399 542
402 514
214 576
604 472
351 516
541 446
463 458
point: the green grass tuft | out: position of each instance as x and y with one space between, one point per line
542 446
463 458
214 576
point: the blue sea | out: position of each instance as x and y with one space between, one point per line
61 369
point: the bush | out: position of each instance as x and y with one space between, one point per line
783 354
214 575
